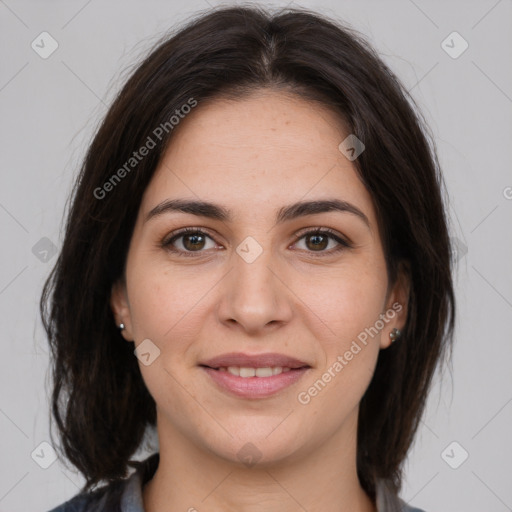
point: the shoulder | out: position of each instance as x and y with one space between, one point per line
85 501
120 495
407 508
106 498
388 501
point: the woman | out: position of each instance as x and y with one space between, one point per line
256 263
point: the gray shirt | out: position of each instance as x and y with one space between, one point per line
126 496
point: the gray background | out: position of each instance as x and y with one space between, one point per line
50 108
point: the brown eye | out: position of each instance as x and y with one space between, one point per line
193 242
317 241
188 241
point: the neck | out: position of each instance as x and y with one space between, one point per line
189 478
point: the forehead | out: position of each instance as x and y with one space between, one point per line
262 151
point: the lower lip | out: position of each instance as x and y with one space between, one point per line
254 387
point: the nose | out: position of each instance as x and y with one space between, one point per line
254 295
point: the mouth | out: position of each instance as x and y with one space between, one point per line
247 371
257 376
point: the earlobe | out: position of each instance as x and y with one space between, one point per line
397 308
121 309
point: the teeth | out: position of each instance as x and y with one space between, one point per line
244 372
254 372
265 372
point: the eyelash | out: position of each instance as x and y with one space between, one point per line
343 244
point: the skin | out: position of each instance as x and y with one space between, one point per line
255 156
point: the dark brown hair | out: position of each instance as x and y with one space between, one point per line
99 402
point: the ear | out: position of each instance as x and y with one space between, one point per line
121 308
397 301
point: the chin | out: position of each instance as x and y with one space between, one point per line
258 454
258 445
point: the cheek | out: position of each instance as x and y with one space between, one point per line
348 301
161 300
350 307
166 309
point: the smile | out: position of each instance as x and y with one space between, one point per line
254 383
245 372
254 376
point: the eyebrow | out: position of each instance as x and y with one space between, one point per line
286 213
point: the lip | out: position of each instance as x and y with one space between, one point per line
254 361
254 387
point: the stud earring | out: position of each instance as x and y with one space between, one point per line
121 326
395 334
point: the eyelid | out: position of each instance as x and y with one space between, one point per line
343 241
184 231
323 230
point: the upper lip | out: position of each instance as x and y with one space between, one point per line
254 361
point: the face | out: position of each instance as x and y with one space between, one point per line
305 288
